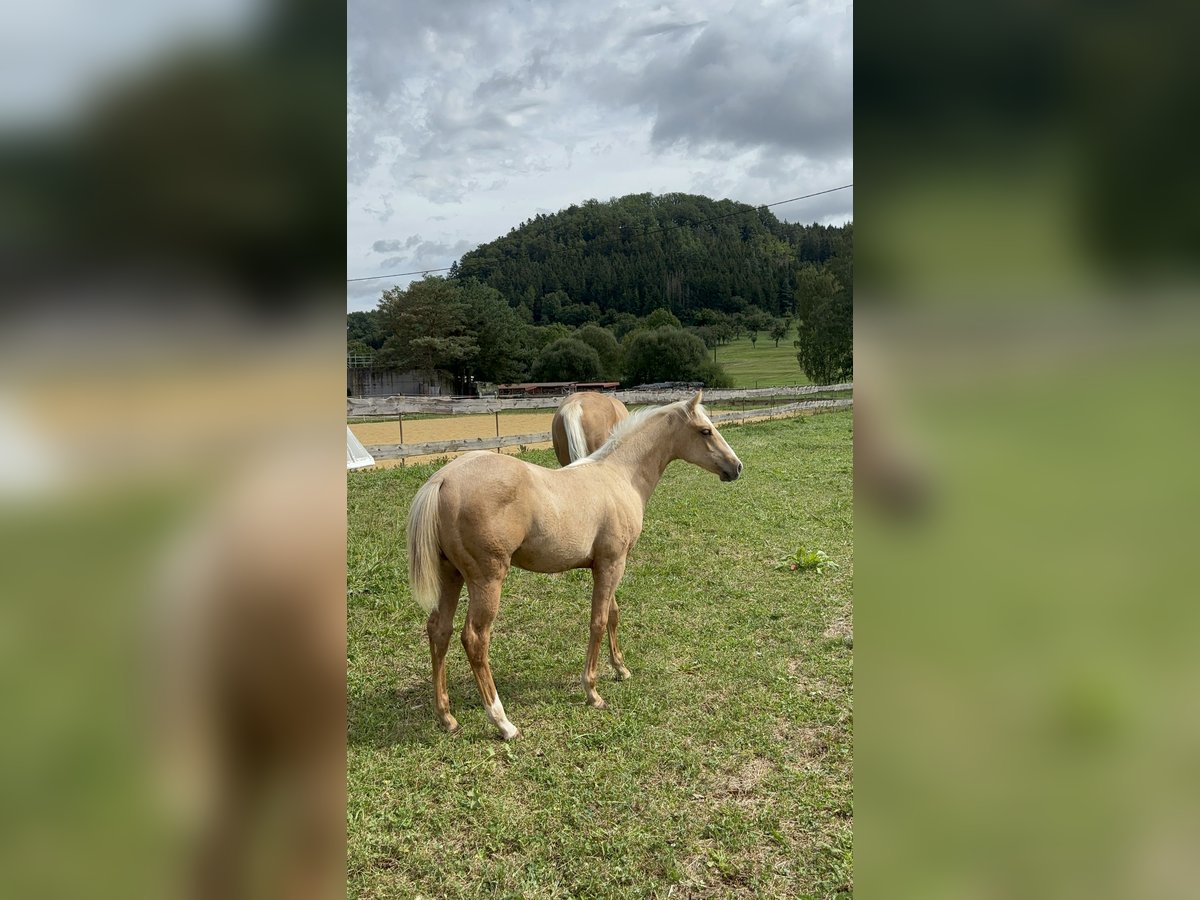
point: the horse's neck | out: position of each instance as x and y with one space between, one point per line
644 456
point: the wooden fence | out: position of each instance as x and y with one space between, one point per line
474 406
461 445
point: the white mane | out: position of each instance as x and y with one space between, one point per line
630 426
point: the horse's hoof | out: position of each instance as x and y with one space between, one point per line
450 724
598 703
622 674
510 734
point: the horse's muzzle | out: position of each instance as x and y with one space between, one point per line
731 474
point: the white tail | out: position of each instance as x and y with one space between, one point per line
572 415
424 548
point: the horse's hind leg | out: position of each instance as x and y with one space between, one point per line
439 628
476 635
614 652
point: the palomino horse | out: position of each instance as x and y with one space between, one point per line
485 512
582 423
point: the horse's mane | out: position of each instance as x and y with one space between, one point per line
630 426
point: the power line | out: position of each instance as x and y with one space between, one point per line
740 212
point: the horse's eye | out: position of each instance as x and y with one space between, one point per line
706 431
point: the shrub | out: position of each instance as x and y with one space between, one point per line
669 354
567 359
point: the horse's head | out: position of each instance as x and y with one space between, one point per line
701 444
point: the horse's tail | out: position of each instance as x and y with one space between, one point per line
572 415
423 547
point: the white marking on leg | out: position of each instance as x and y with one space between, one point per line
500 720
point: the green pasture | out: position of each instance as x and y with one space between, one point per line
764 365
721 769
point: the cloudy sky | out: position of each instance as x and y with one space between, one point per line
466 117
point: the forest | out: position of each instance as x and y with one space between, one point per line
634 289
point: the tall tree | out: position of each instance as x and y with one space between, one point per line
825 326
426 327
504 351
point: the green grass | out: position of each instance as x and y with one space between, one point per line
763 366
722 768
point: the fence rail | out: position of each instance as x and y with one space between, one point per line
461 445
391 406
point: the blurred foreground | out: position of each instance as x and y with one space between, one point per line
172 645
1026 328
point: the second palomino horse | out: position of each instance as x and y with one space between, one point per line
582 423
485 512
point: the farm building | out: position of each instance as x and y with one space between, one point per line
597 385
369 381
552 388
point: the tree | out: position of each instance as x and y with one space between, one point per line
714 376
602 341
549 308
623 324
360 349
364 327
706 333
666 354
717 323
567 360
813 287
541 336
825 327
826 343
576 314
661 318
779 329
504 352
426 327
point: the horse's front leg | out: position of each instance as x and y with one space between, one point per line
606 574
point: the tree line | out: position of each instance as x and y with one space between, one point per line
632 290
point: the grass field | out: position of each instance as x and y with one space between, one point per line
721 769
761 366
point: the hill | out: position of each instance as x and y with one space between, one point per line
640 252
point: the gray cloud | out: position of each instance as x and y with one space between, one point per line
493 113
670 28
750 81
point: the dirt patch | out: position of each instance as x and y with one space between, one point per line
747 779
420 431
841 627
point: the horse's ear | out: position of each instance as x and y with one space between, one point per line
695 401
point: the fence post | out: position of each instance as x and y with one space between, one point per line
400 420
497 427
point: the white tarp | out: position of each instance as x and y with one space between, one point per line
29 464
357 456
